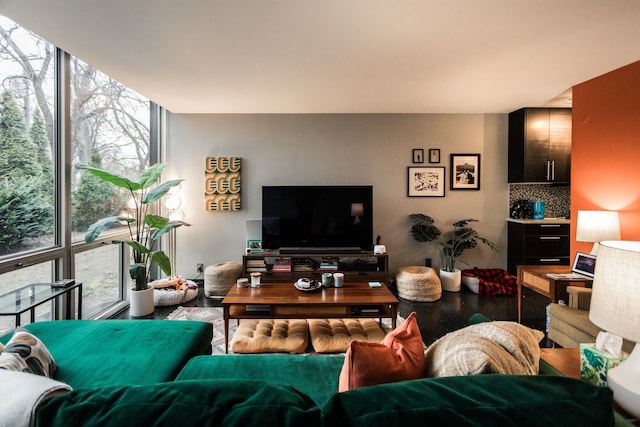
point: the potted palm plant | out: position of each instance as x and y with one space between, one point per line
462 237
145 228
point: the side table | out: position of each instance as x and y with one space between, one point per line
535 277
28 297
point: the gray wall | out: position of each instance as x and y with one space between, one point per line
323 149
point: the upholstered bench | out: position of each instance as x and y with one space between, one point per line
218 278
271 336
416 283
334 335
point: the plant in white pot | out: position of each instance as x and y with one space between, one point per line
145 229
462 237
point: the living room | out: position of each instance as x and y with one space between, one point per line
340 142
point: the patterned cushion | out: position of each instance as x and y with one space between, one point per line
271 336
493 347
26 353
335 335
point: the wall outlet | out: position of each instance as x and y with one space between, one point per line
200 267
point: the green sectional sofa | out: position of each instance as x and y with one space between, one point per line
161 373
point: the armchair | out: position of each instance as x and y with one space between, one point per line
570 325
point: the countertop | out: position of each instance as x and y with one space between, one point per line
540 221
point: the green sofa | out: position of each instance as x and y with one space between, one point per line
153 372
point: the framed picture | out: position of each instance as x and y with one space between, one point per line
425 181
418 155
465 171
254 245
434 155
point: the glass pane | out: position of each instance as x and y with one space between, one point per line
97 269
26 140
16 279
109 130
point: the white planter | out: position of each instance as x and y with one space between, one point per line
141 302
451 280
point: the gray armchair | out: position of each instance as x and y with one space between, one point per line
570 325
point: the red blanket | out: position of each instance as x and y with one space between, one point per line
494 281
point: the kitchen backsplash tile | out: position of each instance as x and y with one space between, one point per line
557 199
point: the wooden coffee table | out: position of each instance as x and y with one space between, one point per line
284 301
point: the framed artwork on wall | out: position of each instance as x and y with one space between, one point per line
425 181
418 155
434 155
465 171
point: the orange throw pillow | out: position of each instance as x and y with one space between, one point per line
399 357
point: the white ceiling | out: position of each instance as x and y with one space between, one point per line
342 56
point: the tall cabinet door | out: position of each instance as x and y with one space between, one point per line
560 143
536 144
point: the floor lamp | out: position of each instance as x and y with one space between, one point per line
615 308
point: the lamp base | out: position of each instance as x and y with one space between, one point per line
624 381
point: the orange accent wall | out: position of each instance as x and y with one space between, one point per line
605 151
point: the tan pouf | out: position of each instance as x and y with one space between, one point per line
218 278
418 284
271 336
334 335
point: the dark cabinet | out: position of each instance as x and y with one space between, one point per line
540 145
537 244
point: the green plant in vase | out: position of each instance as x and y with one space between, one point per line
461 238
145 228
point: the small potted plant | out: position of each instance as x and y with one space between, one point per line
462 237
144 230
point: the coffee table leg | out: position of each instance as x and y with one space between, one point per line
226 328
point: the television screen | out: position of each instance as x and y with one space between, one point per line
317 217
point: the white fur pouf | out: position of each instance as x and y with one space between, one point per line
418 284
218 278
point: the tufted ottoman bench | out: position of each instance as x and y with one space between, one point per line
218 278
334 335
418 284
271 336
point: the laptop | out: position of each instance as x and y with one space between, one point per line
584 266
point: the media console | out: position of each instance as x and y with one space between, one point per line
276 266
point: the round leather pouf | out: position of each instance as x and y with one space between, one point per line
218 278
418 284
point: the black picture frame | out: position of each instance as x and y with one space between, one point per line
418 155
426 181
434 155
465 172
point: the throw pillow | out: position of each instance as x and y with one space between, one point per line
493 347
399 357
26 353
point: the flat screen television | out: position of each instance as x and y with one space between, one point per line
323 219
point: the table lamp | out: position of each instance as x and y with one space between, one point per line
615 308
596 226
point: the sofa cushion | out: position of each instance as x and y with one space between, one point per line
487 400
98 353
316 376
399 357
335 335
488 347
226 403
26 353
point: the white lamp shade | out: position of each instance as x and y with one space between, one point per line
615 300
596 226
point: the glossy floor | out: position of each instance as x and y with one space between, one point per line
435 319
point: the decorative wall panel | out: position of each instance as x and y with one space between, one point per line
222 183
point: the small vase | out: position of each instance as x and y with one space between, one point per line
451 280
141 302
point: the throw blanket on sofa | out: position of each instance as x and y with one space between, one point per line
494 281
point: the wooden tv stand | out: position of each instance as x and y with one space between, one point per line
277 267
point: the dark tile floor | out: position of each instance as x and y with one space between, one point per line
451 312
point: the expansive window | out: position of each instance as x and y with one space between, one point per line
46 204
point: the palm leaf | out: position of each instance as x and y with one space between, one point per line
103 224
117 180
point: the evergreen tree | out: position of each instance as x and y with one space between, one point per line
93 199
18 154
38 135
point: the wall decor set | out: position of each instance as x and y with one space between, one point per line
429 181
222 183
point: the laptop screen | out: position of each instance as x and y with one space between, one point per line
584 264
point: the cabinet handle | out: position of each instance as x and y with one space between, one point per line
550 238
548 171
549 225
549 259
553 170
